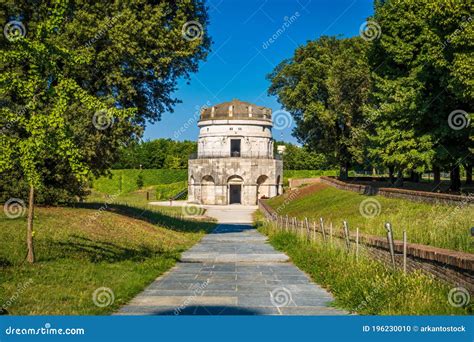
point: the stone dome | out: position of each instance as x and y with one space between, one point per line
236 110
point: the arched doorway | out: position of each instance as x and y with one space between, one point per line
278 186
262 187
234 187
207 190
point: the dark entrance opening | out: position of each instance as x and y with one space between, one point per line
235 194
235 147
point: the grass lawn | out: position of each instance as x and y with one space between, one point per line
365 286
436 225
125 181
79 250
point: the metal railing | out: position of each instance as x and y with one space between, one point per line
235 154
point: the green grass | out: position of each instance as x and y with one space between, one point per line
81 249
365 286
435 225
125 181
165 191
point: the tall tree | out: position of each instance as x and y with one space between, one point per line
324 87
421 68
135 51
78 84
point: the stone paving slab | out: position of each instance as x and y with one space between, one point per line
233 271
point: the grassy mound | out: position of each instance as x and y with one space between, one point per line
165 191
436 225
82 249
126 180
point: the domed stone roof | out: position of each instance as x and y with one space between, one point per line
238 110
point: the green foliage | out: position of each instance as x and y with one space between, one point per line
140 182
435 225
367 287
324 86
301 158
78 59
156 154
422 67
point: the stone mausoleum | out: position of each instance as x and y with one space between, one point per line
234 163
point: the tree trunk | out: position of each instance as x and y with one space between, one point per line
391 172
29 234
414 176
455 176
399 181
436 175
344 171
468 168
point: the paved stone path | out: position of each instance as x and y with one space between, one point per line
232 271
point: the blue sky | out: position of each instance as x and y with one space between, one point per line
238 63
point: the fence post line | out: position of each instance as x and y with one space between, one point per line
357 244
346 234
388 227
404 251
321 224
286 223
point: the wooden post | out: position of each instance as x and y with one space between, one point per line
357 244
405 251
321 224
307 228
330 232
388 227
286 223
147 196
346 234
314 231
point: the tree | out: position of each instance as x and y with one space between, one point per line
324 87
56 108
300 158
422 70
135 54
